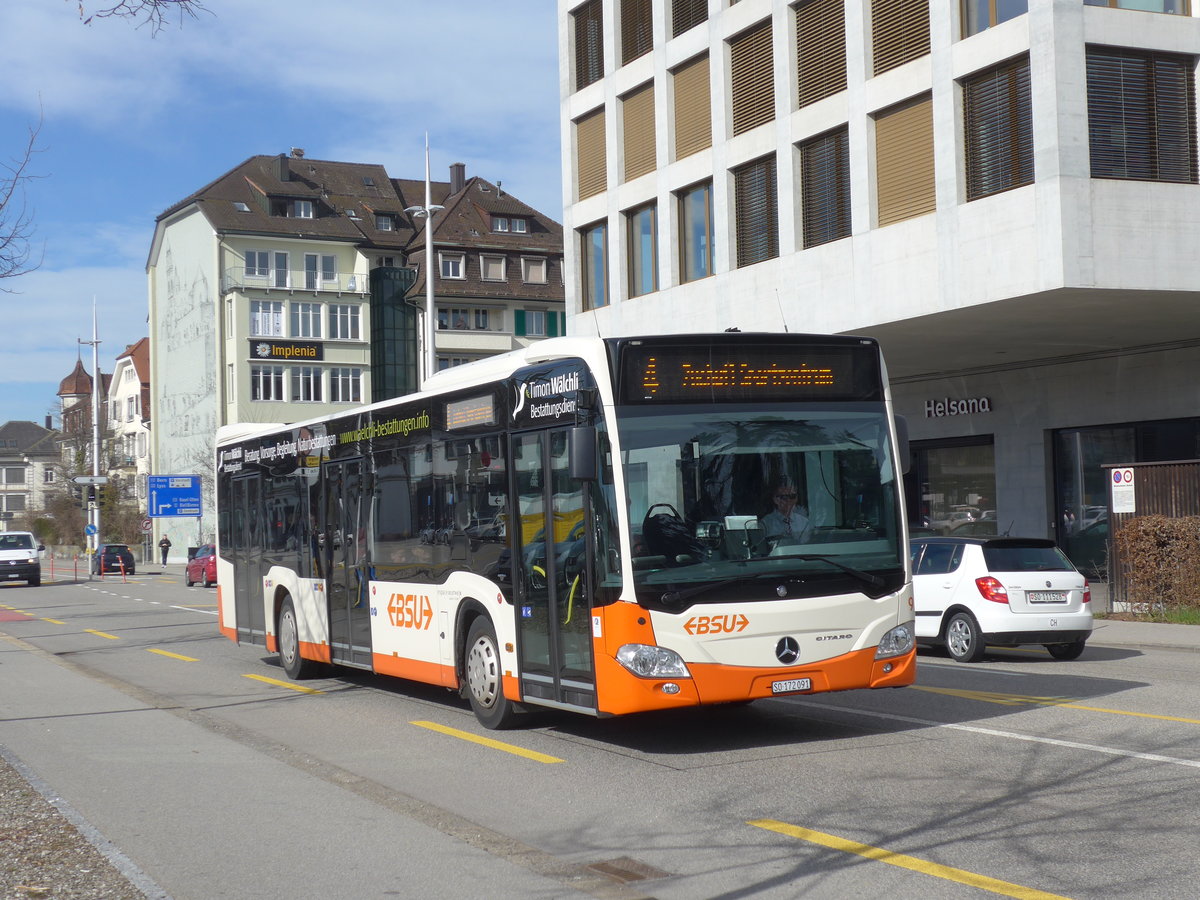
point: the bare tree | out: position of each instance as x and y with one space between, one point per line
16 218
154 13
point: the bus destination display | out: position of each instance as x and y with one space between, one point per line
674 374
472 411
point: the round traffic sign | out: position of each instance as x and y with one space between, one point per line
147 526
89 529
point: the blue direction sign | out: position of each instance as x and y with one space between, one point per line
173 495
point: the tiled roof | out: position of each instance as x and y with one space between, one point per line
333 187
29 436
79 382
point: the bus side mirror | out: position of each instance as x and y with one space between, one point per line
581 452
902 449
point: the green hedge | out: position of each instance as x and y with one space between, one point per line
1160 563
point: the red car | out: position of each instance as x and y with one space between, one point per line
202 567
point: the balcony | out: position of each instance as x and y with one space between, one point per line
238 278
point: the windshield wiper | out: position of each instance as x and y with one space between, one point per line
864 577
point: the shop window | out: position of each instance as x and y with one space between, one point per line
951 487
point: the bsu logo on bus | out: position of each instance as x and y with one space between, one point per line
410 611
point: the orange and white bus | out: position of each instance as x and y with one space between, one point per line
580 524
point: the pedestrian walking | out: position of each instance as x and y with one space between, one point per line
164 545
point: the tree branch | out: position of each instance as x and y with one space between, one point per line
16 218
144 12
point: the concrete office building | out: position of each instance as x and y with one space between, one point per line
1004 194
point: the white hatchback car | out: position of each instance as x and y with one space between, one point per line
971 592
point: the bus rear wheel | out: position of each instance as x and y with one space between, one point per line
296 667
485 678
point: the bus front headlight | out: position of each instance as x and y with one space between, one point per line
647 661
897 642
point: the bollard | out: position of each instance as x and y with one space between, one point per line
124 580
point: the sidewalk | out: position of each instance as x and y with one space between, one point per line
1118 633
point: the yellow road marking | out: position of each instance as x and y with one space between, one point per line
1060 702
489 742
911 863
285 684
54 621
172 655
103 634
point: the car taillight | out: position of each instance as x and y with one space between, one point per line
1087 591
991 589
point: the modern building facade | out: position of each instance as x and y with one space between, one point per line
1004 194
288 288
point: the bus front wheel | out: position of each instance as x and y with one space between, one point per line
293 663
485 678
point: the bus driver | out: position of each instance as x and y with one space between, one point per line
787 523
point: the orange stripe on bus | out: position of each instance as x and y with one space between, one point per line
415 669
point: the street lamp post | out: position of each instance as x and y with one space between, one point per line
426 212
94 506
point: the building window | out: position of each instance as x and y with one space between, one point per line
344 322
131 408
520 226
319 270
266 318
1170 7
820 50
306 384
979 15
643 251
306 320
1141 115
492 268
590 167
499 223
999 130
693 112
453 318
452 265
281 277
302 209
533 269
14 476
383 223
687 14
15 502
695 232
904 161
483 319
594 244
450 362
47 476
825 187
899 32
756 207
589 44
266 382
636 31
752 83
535 323
637 111
345 385
257 263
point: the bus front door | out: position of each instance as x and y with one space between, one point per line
342 560
553 598
246 531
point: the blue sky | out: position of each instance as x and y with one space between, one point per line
134 121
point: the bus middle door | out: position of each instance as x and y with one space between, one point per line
553 599
343 560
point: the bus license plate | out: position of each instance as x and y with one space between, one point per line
788 687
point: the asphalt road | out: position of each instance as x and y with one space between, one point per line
215 777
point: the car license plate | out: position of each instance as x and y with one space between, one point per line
791 686
1047 596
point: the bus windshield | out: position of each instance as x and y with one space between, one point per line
799 493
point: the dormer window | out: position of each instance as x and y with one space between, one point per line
499 223
368 181
520 226
302 209
383 223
